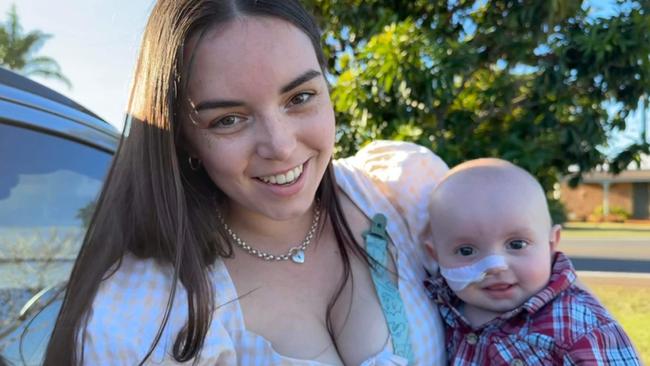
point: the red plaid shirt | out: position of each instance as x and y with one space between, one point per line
560 325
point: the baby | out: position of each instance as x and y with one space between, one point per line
507 297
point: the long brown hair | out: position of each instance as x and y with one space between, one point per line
153 204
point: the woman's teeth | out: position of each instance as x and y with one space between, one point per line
286 178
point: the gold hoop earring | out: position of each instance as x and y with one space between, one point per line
195 163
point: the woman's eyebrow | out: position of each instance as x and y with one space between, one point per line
213 104
306 76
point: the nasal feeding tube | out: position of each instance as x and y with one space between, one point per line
460 277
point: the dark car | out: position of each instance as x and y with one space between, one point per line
54 155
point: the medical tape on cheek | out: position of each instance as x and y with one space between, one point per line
460 277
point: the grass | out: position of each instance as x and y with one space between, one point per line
606 230
627 301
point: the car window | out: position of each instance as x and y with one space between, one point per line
48 189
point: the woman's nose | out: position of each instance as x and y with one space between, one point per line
276 139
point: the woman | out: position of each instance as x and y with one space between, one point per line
222 235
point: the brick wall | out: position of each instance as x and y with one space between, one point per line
620 195
581 201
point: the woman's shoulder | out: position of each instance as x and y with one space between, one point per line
133 283
398 174
129 308
387 161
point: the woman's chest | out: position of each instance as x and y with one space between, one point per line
304 311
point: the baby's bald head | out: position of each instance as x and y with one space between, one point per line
487 184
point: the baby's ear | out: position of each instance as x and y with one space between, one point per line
555 237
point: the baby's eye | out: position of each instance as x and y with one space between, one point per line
300 98
465 251
517 244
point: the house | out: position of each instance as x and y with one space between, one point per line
604 193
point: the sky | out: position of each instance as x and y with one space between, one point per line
96 42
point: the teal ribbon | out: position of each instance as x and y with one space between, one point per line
391 302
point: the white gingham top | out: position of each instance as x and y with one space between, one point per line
393 178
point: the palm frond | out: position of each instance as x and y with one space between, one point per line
46 67
18 50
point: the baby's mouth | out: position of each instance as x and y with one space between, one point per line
285 178
498 287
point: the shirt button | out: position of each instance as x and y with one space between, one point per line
471 338
517 362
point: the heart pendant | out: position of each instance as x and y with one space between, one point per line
298 257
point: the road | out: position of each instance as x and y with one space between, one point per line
609 255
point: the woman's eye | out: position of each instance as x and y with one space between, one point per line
226 122
301 98
517 244
465 251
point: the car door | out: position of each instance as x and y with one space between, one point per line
50 179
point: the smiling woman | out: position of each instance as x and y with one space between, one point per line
226 234
260 121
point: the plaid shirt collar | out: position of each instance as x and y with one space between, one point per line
562 276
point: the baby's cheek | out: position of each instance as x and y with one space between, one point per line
468 294
534 278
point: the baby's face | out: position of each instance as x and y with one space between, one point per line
475 222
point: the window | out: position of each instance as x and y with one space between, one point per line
48 188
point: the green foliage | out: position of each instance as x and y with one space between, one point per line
616 214
17 50
85 214
532 82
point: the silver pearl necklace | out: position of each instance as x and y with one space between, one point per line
296 254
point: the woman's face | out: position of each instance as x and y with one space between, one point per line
261 121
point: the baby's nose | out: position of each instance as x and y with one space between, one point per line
495 270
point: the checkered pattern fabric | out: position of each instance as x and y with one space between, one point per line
387 177
560 325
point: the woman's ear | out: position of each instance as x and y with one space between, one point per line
555 237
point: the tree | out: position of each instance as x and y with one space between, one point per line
18 50
540 83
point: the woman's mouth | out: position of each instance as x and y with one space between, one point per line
285 178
